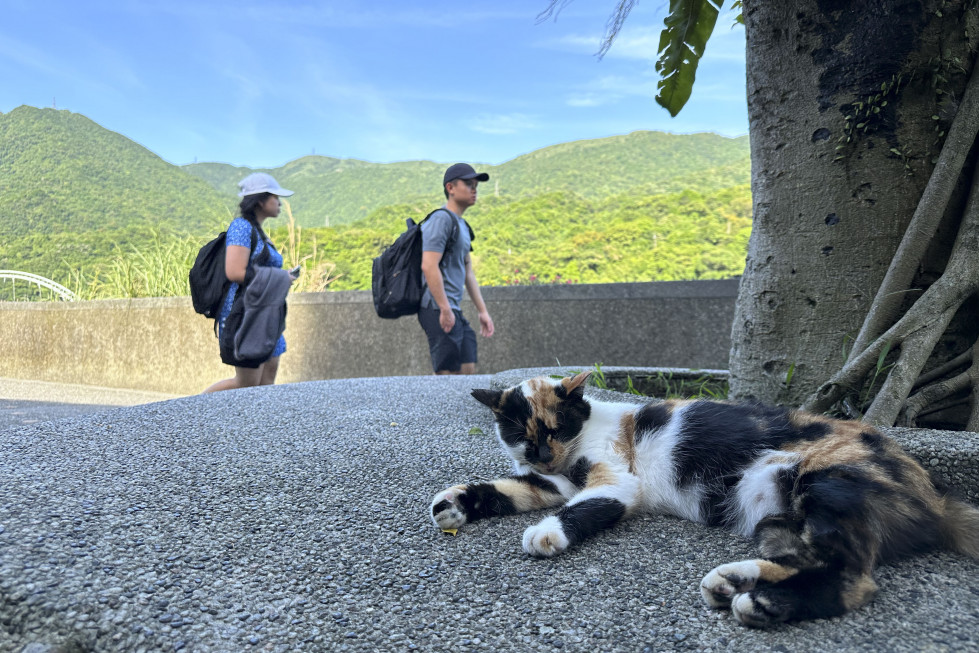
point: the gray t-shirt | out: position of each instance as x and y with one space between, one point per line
436 232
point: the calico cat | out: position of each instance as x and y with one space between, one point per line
826 500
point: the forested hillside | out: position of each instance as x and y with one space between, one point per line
560 237
331 192
70 190
91 209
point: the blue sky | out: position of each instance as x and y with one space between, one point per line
262 83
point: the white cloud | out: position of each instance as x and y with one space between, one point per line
510 123
609 89
587 100
642 42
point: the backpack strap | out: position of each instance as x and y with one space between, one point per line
455 227
262 258
248 270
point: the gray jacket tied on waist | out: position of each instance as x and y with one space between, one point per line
264 317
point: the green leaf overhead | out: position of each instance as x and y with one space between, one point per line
688 27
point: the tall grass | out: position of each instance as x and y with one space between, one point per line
318 273
157 269
160 266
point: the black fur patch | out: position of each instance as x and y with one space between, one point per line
785 479
893 467
873 440
917 534
440 506
812 431
484 500
717 441
836 502
512 419
571 417
649 418
582 520
578 474
810 594
539 482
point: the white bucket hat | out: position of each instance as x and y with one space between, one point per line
259 182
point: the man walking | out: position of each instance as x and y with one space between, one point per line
447 268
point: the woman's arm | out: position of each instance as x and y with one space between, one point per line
236 263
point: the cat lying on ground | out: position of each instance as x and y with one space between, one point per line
826 500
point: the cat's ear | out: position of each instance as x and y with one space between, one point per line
575 385
489 398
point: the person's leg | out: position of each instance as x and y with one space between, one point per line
245 377
467 348
269 370
443 347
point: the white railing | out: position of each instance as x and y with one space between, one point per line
36 279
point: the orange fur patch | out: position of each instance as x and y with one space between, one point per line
773 572
625 443
600 474
843 446
543 404
859 593
525 497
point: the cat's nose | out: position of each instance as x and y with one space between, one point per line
544 454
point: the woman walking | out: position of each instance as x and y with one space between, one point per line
248 246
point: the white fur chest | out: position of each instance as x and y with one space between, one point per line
655 466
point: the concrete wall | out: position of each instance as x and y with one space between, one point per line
162 345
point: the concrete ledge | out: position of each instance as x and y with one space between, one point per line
161 345
295 517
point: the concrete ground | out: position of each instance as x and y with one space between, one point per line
28 402
295 518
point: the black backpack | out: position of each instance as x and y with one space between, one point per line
208 282
396 275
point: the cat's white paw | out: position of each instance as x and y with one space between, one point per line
757 610
723 582
545 539
447 511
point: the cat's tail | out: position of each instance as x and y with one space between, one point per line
960 527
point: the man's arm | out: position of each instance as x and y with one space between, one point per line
472 286
436 286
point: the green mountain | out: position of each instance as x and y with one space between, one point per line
94 210
71 189
333 191
557 237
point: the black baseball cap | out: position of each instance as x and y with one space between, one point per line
463 171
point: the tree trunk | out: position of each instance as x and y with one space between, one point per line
848 107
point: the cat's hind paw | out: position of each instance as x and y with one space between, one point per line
722 583
447 509
545 539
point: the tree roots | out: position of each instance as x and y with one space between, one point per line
915 334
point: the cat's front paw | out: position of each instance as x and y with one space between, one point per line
760 608
447 508
545 539
723 582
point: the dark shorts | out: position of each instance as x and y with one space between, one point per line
449 350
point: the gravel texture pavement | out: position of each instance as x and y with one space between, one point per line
28 402
295 518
